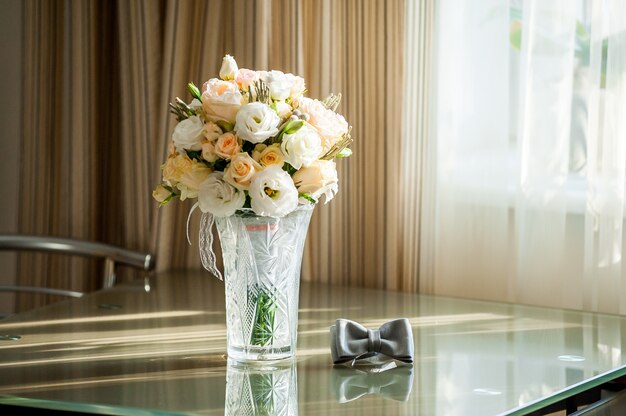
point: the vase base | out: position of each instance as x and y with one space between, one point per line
252 354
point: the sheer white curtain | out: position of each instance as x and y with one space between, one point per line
530 132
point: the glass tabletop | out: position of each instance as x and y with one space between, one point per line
159 346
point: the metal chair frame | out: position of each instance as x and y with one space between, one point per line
112 255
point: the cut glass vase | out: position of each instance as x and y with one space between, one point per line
262 262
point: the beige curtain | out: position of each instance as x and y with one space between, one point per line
99 75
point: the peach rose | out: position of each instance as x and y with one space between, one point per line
245 78
221 100
330 125
268 155
317 179
227 146
240 171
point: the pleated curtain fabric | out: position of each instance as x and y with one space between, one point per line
98 77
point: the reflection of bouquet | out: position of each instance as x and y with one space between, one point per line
251 139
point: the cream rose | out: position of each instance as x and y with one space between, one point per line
241 170
317 179
272 193
191 179
302 147
208 152
283 109
221 100
219 197
211 131
245 78
161 194
229 68
330 125
227 146
256 122
268 155
175 167
188 134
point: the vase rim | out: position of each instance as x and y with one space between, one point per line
249 212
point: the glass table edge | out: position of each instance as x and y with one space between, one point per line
566 393
92 408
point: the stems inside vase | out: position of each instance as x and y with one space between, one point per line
265 312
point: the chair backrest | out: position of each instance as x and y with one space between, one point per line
112 255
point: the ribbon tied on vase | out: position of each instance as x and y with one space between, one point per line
351 341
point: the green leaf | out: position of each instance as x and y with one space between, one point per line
225 125
289 169
194 154
344 153
194 91
293 126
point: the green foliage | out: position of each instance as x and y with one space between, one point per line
181 110
307 197
265 311
225 125
289 169
195 154
194 91
293 126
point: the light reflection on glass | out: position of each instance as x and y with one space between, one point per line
255 390
571 358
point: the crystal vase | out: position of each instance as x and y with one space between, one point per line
262 261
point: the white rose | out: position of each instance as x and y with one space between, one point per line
188 134
302 147
229 69
320 178
241 170
219 197
278 83
256 122
272 192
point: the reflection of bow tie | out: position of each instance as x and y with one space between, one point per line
350 340
350 384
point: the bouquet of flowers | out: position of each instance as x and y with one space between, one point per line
252 139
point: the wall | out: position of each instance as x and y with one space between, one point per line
10 135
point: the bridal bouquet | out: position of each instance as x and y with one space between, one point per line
251 139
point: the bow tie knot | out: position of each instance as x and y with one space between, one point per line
373 340
352 341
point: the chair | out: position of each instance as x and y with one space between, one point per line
112 256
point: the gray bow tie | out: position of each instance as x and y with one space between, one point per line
350 340
350 384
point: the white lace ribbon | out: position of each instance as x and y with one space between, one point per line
207 255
